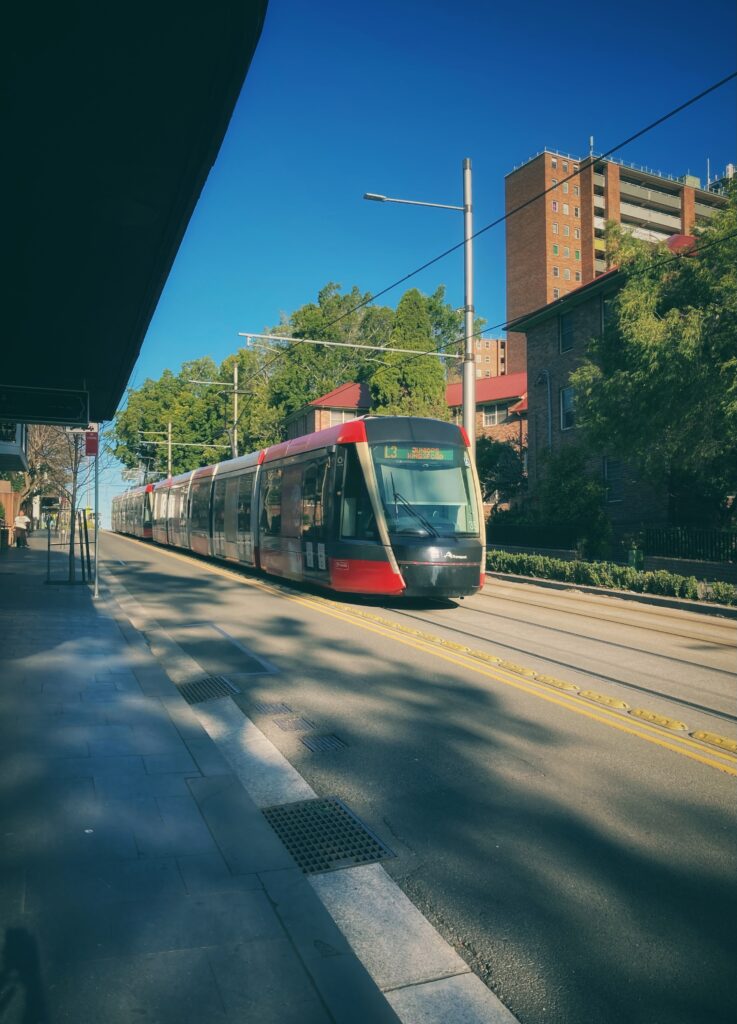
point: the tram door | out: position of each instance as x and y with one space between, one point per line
315 562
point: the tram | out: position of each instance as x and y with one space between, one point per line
378 505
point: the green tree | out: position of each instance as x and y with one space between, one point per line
407 385
500 466
659 387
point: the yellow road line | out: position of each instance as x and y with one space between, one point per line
686 747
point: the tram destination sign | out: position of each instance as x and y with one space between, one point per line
60 406
417 453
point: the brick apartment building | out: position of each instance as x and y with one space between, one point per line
501 409
494 358
557 338
556 244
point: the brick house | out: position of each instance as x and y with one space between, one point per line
501 408
558 335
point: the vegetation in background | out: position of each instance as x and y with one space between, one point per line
611 575
659 387
500 466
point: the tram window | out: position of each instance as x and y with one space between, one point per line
313 500
291 512
218 507
271 508
200 507
245 497
357 518
147 508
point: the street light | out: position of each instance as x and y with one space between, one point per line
469 359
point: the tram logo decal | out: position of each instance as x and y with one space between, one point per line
458 558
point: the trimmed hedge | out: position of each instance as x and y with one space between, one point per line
609 574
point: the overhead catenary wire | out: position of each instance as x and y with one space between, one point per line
499 220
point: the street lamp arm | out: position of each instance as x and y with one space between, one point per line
410 202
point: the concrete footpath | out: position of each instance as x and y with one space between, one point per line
138 879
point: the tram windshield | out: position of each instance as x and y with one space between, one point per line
427 490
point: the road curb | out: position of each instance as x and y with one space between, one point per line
701 607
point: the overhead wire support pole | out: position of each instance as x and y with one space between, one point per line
168 449
469 356
234 448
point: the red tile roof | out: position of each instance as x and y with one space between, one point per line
347 396
490 389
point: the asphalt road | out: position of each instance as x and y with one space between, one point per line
579 857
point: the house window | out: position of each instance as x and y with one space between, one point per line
565 332
578 275
495 414
566 231
554 205
556 293
566 251
555 227
576 211
577 233
565 186
556 272
555 250
576 190
566 274
567 411
578 254
565 208
340 416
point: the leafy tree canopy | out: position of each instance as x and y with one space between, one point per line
659 387
500 466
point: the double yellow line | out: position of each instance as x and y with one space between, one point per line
517 677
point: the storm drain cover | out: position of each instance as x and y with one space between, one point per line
325 835
318 744
294 724
276 708
209 688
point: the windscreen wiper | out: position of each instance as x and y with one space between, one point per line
413 511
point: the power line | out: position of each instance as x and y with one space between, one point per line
499 220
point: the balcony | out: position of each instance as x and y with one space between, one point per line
599 180
647 234
645 216
702 210
653 198
600 266
13 447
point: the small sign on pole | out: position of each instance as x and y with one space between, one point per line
91 442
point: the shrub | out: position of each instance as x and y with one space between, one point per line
611 575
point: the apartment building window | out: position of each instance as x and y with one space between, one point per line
553 162
575 168
556 293
495 414
555 227
479 373
554 205
577 233
566 230
578 254
487 359
555 249
576 211
567 411
565 186
487 343
578 275
565 165
565 332
576 190
556 272
554 181
566 274
566 251
565 208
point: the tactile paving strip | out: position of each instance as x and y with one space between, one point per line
318 744
325 835
209 688
275 708
294 724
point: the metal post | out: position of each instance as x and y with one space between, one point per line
235 410
48 549
469 358
96 592
168 448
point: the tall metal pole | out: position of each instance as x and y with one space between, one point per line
168 448
96 592
235 411
469 358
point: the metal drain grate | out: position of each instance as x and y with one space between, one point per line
325 835
209 688
318 744
277 708
294 724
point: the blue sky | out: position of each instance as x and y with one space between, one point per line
390 97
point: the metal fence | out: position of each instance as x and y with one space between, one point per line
535 535
686 542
